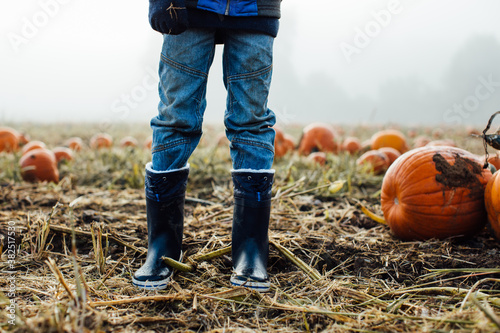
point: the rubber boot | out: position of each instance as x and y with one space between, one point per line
165 194
250 240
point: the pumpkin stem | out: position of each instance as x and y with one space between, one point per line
485 143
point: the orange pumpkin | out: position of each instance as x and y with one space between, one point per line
75 143
493 160
23 138
35 144
366 145
63 153
288 142
444 142
437 133
317 137
391 153
412 133
283 143
39 165
492 203
128 141
389 138
317 157
376 160
221 140
9 140
421 141
101 140
148 142
351 145
435 192
279 137
471 131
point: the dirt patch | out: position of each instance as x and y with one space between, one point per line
463 173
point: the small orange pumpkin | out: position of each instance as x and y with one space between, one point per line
412 133
421 141
366 145
63 153
493 160
317 157
435 192
9 140
75 143
283 143
492 203
148 142
279 137
317 137
39 165
221 140
288 142
444 142
378 161
391 153
471 131
351 145
128 141
101 140
24 138
389 138
437 133
35 144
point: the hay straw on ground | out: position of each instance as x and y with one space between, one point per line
332 268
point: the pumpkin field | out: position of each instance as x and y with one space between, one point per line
373 229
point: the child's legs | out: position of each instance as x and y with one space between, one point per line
247 77
184 66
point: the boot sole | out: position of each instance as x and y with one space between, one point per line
151 285
252 284
154 285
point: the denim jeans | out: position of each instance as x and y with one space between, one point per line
247 68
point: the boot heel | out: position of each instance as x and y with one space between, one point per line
156 284
151 285
241 281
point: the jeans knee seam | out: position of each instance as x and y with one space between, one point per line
250 75
172 144
183 68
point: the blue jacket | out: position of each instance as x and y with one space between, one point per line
267 8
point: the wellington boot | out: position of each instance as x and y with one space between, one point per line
165 194
250 241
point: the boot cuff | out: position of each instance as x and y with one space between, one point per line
149 168
253 170
252 185
163 186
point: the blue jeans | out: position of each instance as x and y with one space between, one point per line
247 69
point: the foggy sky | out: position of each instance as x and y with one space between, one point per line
425 62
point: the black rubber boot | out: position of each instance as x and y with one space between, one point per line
250 240
165 194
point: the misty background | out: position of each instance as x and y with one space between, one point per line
342 62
